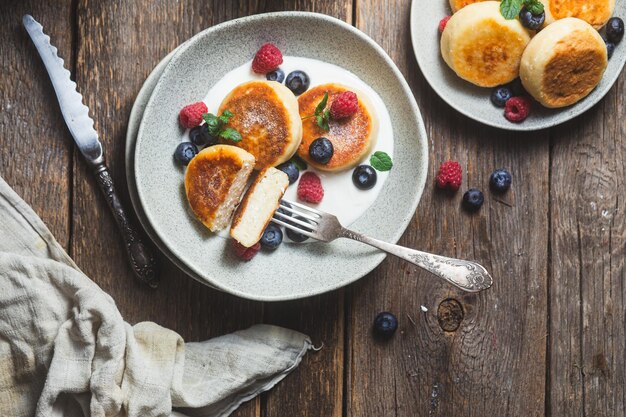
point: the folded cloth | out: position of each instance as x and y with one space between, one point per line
66 351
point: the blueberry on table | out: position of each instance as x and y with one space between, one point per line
531 21
500 95
277 75
321 150
364 177
473 200
385 324
185 152
298 82
615 30
291 170
199 136
500 180
272 237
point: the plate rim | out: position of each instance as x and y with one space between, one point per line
421 147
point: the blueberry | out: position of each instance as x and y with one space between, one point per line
364 177
185 152
615 30
291 170
321 150
295 236
285 212
298 82
473 199
277 75
517 88
610 48
199 136
500 95
500 180
385 324
531 21
272 237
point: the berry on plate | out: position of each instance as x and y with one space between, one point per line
291 170
310 188
443 22
244 253
500 95
200 136
615 30
610 48
295 236
449 176
500 180
185 152
321 150
344 105
272 237
364 177
298 82
267 59
277 75
530 20
473 200
191 115
517 109
385 324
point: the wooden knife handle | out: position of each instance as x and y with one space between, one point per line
141 257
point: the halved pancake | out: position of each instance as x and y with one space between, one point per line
482 47
258 206
352 138
594 12
563 63
214 182
457 5
266 115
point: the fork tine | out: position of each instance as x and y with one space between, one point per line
303 207
290 219
297 213
293 227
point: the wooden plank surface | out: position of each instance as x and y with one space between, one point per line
494 363
35 145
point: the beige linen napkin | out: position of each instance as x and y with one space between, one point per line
66 351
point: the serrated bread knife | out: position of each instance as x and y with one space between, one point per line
76 116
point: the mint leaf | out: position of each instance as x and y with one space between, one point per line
322 105
213 123
511 8
322 122
381 161
225 117
534 6
299 163
230 134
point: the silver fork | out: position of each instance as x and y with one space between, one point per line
466 275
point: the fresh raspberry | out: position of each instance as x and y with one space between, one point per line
245 253
344 105
517 109
191 116
310 188
443 22
267 59
449 176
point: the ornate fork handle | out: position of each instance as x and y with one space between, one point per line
466 275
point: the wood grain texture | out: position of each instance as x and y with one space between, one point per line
35 145
588 242
494 363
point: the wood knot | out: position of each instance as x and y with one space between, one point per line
450 314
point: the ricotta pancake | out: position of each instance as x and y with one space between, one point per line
594 12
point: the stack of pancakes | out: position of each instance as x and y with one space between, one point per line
558 66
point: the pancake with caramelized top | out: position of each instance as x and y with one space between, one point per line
594 12
564 63
214 182
352 138
482 47
457 5
266 115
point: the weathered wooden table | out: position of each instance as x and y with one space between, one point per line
548 338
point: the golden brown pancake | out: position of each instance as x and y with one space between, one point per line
482 47
594 12
457 5
214 182
563 63
266 115
352 138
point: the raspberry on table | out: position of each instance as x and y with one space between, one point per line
191 116
310 188
449 176
267 59
245 253
344 105
517 109
443 22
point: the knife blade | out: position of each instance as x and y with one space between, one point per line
81 126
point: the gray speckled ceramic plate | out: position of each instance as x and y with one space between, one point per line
473 101
292 271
